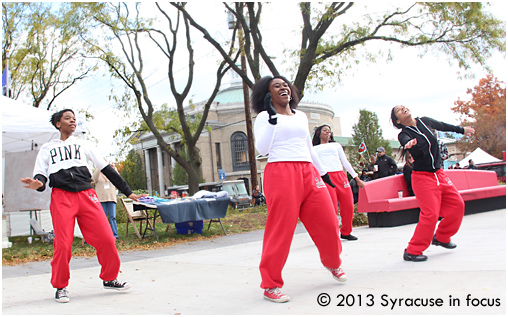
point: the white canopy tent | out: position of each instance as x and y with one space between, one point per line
24 130
478 156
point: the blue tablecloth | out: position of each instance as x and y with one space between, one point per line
193 210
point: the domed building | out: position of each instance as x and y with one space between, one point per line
223 143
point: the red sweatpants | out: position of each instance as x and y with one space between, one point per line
295 190
437 197
342 194
85 207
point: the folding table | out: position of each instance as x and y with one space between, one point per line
184 210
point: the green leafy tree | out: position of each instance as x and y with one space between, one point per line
368 131
42 44
131 169
179 176
330 46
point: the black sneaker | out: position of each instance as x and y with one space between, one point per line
449 245
116 285
61 295
349 237
414 257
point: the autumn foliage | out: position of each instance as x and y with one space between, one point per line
486 113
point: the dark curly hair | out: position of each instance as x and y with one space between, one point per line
260 89
316 139
55 117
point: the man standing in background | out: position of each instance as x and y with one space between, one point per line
386 164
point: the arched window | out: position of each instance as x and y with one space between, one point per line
239 151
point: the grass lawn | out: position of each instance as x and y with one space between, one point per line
236 221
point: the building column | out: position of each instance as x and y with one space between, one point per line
148 172
160 171
173 162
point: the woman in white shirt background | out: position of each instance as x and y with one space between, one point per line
294 185
334 160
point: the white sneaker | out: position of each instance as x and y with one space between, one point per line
61 295
116 285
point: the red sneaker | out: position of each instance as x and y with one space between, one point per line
338 274
275 295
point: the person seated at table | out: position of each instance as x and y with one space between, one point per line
258 196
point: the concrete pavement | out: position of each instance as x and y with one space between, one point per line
222 277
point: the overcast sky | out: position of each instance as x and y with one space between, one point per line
428 86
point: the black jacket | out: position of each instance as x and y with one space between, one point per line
426 151
387 166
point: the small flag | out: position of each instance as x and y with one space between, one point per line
362 148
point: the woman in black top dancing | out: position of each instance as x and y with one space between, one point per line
434 191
